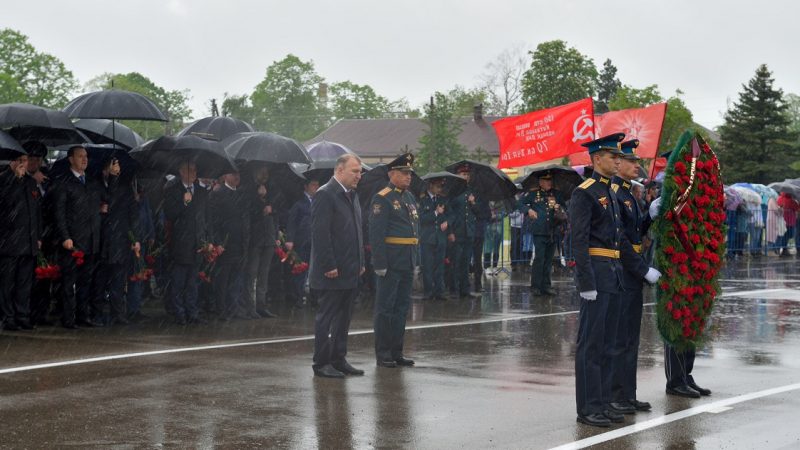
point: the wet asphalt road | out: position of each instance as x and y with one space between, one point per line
496 372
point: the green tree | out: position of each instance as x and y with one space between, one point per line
464 100
439 146
677 119
607 87
757 145
238 107
356 101
40 78
793 112
287 101
557 75
174 103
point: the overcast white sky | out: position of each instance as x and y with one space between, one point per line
411 48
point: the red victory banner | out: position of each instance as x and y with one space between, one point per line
544 135
642 123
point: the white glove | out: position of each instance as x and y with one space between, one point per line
589 295
655 205
381 273
652 275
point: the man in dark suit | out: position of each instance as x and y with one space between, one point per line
119 241
41 294
393 237
337 262
263 236
298 235
79 201
229 216
185 209
20 240
463 218
433 230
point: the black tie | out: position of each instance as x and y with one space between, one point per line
83 179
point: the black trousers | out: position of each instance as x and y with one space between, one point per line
623 384
16 280
332 324
227 282
392 300
545 248
477 263
110 280
76 288
591 361
257 279
678 366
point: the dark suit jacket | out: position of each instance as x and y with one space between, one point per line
263 229
337 240
77 212
20 215
298 227
229 215
187 223
430 231
120 223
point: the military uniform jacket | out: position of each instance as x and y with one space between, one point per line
21 220
430 230
462 219
393 230
632 218
547 218
595 224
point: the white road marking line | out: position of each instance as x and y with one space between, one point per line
754 292
721 409
712 407
266 342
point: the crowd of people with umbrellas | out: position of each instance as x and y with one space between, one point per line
215 220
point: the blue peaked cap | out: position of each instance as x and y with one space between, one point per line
611 143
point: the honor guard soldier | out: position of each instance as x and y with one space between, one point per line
629 310
433 229
545 208
601 250
393 237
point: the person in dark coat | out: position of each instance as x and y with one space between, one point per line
394 239
43 289
229 217
433 230
464 209
337 262
261 249
185 210
20 240
78 202
119 242
298 235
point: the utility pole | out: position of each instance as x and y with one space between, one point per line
430 149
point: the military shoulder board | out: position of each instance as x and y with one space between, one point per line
587 183
614 187
385 191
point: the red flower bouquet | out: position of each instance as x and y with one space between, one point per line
78 256
691 242
290 256
46 270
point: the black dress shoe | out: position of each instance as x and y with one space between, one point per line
441 298
27 326
327 371
347 369
612 416
180 321
86 323
70 326
388 364
265 313
701 391
548 292
621 408
683 391
197 321
120 321
595 420
639 406
10 326
404 362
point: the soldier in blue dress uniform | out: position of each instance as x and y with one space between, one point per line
393 237
601 251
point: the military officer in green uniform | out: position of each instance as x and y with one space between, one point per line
463 223
433 238
545 208
393 236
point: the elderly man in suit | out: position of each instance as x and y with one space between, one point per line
185 209
298 235
337 262
79 201
20 240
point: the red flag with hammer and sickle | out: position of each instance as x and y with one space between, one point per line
544 135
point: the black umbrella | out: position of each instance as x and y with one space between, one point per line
378 178
565 179
284 180
114 104
453 184
216 128
98 155
265 147
104 131
29 122
10 148
167 153
488 181
325 150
